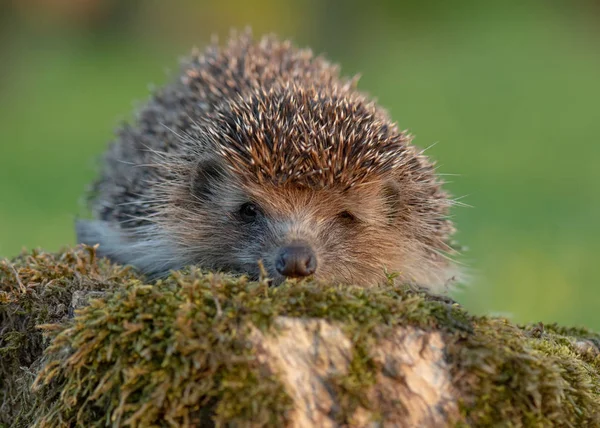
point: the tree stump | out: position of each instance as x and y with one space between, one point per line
85 342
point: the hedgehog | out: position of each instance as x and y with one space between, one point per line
260 156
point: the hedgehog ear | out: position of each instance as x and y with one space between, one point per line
206 177
392 199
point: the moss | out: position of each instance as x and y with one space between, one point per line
352 388
522 379
36 288
178 351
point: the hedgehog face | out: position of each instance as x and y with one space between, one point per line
334 234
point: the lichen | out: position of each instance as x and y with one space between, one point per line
178 352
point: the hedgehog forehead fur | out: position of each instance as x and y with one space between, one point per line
306 136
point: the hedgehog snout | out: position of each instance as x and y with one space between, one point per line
296 260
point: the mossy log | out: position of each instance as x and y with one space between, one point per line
84 342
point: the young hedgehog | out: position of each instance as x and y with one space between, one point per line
261 151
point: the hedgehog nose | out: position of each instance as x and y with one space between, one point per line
296 261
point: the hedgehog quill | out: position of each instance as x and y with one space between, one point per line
261 151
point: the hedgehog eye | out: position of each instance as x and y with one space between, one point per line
347 216
249 212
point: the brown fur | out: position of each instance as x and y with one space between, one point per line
267 123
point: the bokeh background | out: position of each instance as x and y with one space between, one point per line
509 91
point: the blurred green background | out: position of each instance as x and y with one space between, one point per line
510 90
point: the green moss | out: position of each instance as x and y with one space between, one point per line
36 288
178 351
352 388
573 332
522 379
